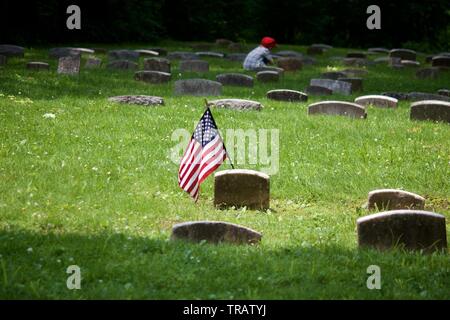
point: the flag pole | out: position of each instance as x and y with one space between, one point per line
225 148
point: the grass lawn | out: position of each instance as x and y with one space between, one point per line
95 187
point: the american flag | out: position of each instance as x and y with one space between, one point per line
204 154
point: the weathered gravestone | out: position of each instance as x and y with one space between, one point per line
428 73
433 110
357 83
123 55
336 86
394 199
92 62
318 91
2 60
236 104
377 101
267 76
139 100
340 108
441 61
215 232
69 65
410 229
157 64
332 75
63 52
210 54
9 50
242 188
182 55
38 66
290 63
122 65
403 54
197 87
420 96
199 66
152 76
235 79
286 95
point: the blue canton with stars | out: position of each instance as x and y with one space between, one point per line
206 130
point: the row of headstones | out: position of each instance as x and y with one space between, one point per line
404 224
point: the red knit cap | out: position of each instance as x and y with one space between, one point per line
268 42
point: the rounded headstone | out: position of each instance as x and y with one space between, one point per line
280 71
157 64
152 76
236 104
377 101
289 53
215 232
441 61
394 199
240 187
9 50
197 87
433 110
144 52
161 51
420 96
235 79
290 63
410 229
341 108
444 92
403 54
287 95
268 76
139 100
194 66
38 66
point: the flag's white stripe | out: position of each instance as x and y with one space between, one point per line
218 158
194 178
211 152
188 152
191 168
190 157
192 161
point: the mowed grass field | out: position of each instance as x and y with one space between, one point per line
95 187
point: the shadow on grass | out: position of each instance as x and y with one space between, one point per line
117 266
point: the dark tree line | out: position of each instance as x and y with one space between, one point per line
421 24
